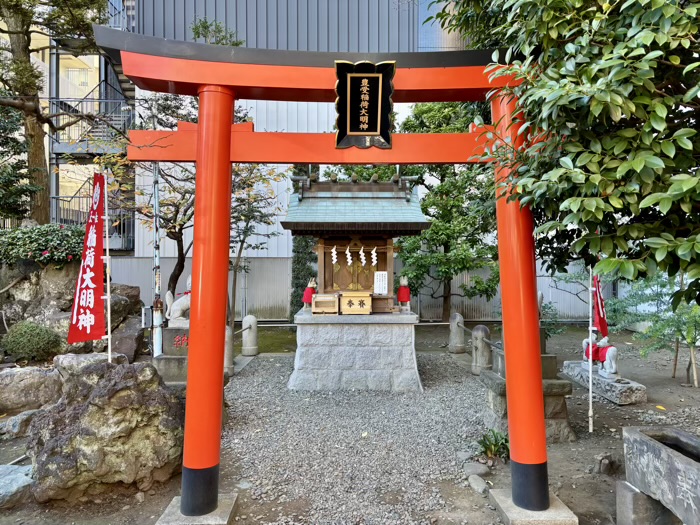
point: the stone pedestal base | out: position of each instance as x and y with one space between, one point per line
355 352
555 410
556 514
619 391
223 515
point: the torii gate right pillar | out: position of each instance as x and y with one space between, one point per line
521 335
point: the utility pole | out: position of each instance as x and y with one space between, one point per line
157 301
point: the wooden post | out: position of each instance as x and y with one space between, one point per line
320 252
390 266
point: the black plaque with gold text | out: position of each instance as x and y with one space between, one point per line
364 104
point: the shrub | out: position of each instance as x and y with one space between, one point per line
47 244
31 341
495 444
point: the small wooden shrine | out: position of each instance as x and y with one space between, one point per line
354 336
355 224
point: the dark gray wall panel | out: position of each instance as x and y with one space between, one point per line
363 26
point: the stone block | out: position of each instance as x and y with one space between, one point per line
343 358
636 508
328 335
392 357
379 380
409 357
494 421
380 335
493 382
549 366
306 335
403 335
406 381
368 358
172 368
355 335
620 391
176 340
303 380
223 515
663 463
557 387
556 514
300 358
353 380
328 379
559 431
555 407
497 403
318 357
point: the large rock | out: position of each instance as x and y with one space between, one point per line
128 338
28 388
121 308
132 293
113 424
15 484
72 364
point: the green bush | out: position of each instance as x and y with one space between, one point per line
495 444
48 244
30 341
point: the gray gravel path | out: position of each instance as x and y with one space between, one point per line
355 457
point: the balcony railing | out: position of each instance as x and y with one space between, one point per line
73 210
112 117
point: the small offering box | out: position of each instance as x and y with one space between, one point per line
323 303
352 303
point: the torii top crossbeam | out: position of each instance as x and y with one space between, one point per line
168 66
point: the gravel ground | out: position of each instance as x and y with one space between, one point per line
351 457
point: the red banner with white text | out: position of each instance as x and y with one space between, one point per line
88 314
600 318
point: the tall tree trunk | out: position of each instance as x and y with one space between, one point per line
446 288
234 283
37 168
179 264
33 129
446 300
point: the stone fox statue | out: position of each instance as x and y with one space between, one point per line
178 309
604 353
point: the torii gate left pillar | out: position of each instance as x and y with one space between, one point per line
205 379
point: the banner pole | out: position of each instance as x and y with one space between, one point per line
108 274
590 349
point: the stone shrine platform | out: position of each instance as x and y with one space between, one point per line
355 352
619 390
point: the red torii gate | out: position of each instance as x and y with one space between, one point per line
220 74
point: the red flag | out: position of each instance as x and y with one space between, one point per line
600 319
88 314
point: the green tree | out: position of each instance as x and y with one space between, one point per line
647 303
15 190
303 259
609 95
27 24
253 204
303 256
460 204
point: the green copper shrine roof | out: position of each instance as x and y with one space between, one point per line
388 208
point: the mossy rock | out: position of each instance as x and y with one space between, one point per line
31 341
